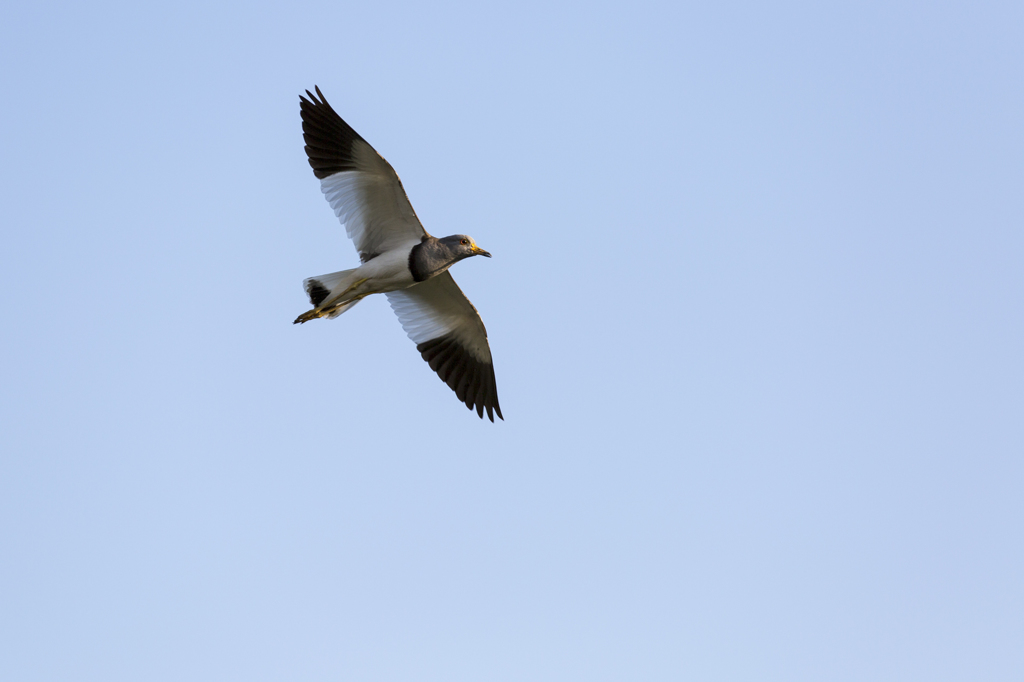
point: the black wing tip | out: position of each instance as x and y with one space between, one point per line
313 104
492 409
328 137
472 380
313 101
481 405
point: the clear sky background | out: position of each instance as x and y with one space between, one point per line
755 307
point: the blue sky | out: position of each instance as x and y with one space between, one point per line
754 306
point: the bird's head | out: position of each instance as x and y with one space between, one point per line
463 246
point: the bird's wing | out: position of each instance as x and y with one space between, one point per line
361 187
450 336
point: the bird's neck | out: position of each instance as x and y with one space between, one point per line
430 258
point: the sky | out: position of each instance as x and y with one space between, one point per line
754 306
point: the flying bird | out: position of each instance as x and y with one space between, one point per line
399 258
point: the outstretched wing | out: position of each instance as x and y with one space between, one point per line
450 336
361 187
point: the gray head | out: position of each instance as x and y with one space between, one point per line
462 246
433 256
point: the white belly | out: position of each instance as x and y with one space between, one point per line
387 272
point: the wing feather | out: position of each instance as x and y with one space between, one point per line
451 337
362 188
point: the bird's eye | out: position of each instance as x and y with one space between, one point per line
465 241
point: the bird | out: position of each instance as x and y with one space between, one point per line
398 257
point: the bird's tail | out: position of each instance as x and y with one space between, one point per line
325 293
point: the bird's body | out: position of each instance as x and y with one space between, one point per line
387 272
399 258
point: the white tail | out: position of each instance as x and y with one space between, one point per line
323 288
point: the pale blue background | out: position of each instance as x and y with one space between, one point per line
755 306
